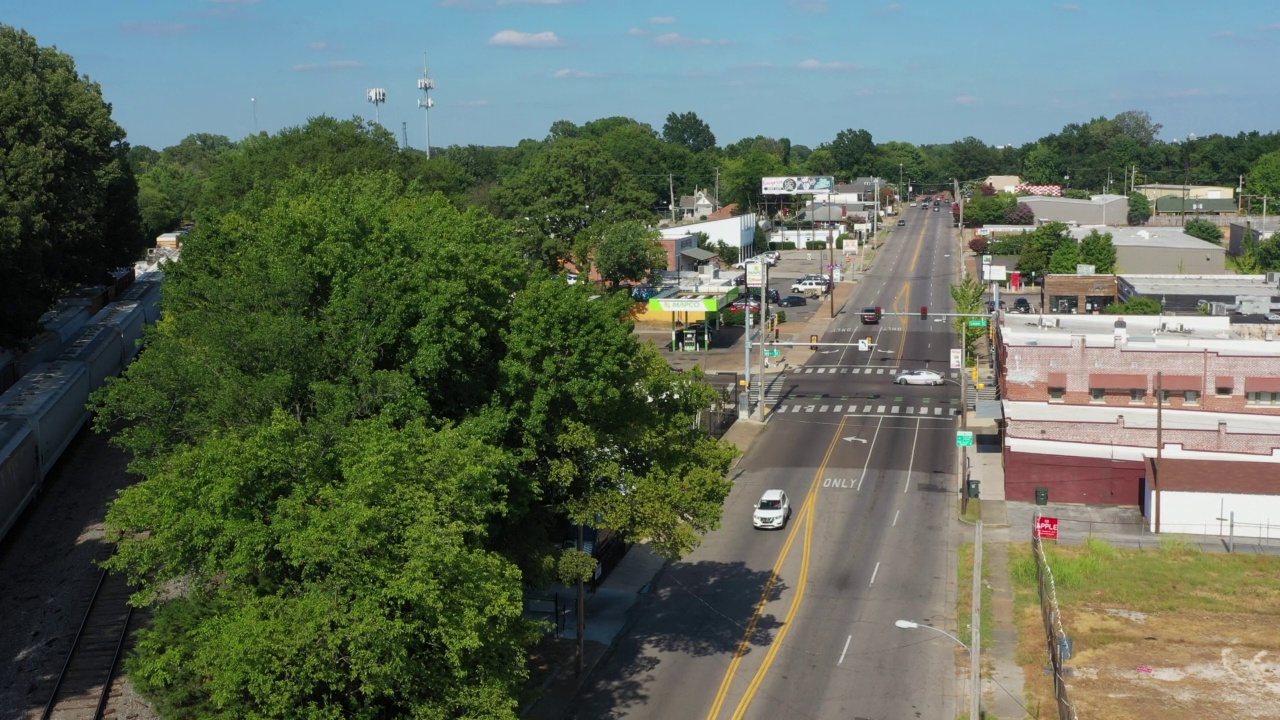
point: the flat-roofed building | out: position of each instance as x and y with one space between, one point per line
1087 398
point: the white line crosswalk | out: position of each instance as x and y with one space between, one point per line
858 371
933 411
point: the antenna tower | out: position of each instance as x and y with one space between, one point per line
377 96
426 85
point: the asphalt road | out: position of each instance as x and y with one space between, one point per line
799 623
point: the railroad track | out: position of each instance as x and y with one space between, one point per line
84 685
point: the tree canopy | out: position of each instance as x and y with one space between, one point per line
689 131
68 196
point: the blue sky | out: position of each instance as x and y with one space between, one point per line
1005 71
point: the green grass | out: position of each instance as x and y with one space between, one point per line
964 599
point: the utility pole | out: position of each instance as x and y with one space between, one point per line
717 188
671 188
426 85
404 133
1159 440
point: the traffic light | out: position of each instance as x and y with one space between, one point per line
924 313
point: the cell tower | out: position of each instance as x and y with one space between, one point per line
404 132
377 96
426 85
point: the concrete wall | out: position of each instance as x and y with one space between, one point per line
1093 481
1147 260
1257 516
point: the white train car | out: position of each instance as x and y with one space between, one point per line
101 348
127 320
146 292
19 471
52 400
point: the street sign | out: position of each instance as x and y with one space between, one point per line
1046 528
964 438
755 274
863 346
955 358
772 353
977 323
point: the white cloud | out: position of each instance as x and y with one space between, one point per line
1069 7
329 66
812 64
662 20
575 74
158 29
1272 28
515 38
637 32
321 45
678 40
966 100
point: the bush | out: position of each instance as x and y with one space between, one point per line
978 245
782 316
815 245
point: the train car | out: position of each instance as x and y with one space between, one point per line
52 400
146 292
66 322
19 471
91 298
127 319
101 348
41 349
121 279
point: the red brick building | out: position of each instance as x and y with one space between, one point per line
1080 401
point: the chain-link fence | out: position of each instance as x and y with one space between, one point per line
1055 635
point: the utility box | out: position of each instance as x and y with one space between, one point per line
1042 496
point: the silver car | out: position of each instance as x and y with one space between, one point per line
919 377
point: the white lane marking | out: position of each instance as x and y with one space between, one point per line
866 408
895 517
873 575
823 408
895 409
845 650
907 484
836 408
867 464
880 408
911 410
795 408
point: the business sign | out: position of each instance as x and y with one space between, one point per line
956 358
755 274
1046 528
964 438
691 305
798 185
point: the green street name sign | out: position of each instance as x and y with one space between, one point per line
977 323
964 438
772 353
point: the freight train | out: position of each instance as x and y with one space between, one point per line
44 409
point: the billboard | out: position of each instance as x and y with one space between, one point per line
798 185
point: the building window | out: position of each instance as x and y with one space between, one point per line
1192 397
1097 395
1137 395
1224 391
1064 304
1262 398
1056 394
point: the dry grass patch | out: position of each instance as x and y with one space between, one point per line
1173 633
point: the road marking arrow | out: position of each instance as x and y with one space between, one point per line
827 352
851 439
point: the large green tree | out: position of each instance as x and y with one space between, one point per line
853 151
627 251
1097 249
688 130
68 196
566 189
1139 208
1203 229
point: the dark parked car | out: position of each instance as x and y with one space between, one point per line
792 301
902 222
1022 305
991 305
870 316
772 295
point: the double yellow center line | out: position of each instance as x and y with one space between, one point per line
803 523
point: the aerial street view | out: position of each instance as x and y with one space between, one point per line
577 360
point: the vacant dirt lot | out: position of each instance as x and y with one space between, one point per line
1174 634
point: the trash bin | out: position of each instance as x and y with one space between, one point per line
1042 496
973 488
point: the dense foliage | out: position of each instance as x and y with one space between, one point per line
68 197
1204 230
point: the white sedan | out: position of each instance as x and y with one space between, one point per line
919 377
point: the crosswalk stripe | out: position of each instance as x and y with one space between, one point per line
844 370
823 408
937 411
880 409
895 409
879 371
866 408
911 410
837 408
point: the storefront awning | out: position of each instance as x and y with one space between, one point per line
988 410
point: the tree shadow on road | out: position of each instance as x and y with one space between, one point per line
697 609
